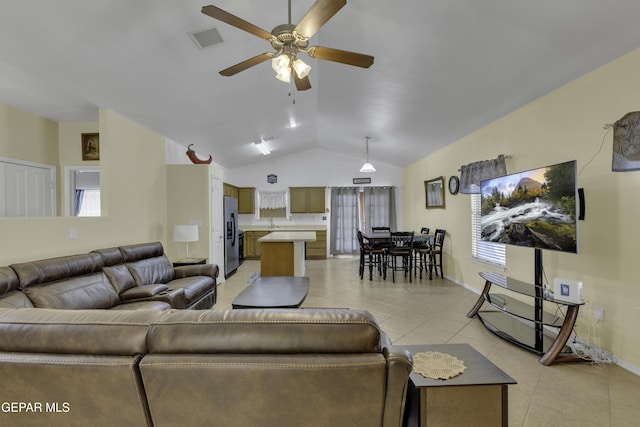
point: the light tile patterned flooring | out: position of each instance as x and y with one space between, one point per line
434 312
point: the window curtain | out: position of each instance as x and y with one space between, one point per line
472 174
79 200
344 221
273 204
380 207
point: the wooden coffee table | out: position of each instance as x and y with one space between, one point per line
273 292
478 396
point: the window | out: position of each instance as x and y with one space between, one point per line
488 253
272 204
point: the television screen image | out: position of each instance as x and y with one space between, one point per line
535 208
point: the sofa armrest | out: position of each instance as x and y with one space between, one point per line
144 291
210 270
399 365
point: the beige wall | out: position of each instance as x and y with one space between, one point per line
133 181
189 202
564 125
26 136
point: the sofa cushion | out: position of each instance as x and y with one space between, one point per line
15 299
143 305
120 277
98 332
52 269
145 291
141 251
151 270
194 287
80 292
310 331
110 256
8 280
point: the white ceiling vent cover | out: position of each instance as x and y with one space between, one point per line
206 38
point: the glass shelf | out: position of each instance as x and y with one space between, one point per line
516 331
521 309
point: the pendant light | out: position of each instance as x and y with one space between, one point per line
367 167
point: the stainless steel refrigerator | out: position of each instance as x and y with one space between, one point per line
231 244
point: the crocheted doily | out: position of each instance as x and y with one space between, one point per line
439 366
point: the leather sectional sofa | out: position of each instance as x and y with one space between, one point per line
123 278
241 368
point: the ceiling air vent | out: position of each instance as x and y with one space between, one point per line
206 38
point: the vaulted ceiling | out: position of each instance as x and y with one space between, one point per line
443 68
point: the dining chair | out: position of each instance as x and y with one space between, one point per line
381 243
422 255
436 250
371 256
401 248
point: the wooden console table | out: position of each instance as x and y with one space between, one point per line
524 324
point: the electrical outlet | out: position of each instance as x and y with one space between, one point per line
598 313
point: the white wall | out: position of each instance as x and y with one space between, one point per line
312 168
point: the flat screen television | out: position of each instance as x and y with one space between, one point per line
535 208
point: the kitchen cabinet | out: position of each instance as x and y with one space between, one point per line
317 249
251 244
307 199
229 190
246 199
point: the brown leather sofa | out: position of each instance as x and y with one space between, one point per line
242 368
124 278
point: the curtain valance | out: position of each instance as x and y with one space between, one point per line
273 199
473 173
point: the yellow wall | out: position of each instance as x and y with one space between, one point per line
25 136
189 200
564 125
133 183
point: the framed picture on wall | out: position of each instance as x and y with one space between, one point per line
434 192
90 146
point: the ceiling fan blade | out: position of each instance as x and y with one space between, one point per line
343 56
318 15
301 84
226 17
241 66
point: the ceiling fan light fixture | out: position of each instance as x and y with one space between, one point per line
262 147
284 75
301 68
280 63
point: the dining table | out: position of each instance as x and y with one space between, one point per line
417 237
382 236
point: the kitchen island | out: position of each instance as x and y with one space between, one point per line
283 253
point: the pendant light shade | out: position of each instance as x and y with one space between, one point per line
367 167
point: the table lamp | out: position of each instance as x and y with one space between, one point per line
185 233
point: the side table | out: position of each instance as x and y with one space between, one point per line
189 261
478 396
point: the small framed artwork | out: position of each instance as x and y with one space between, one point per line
90 146
434 192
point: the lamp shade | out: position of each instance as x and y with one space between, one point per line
185 233
367 167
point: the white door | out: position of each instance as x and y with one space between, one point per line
29 190
217 223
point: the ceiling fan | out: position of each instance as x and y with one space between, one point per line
289 41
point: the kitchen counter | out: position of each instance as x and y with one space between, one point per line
289 236
283 253
267 227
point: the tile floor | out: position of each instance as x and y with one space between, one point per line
434 311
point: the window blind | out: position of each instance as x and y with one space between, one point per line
493 253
